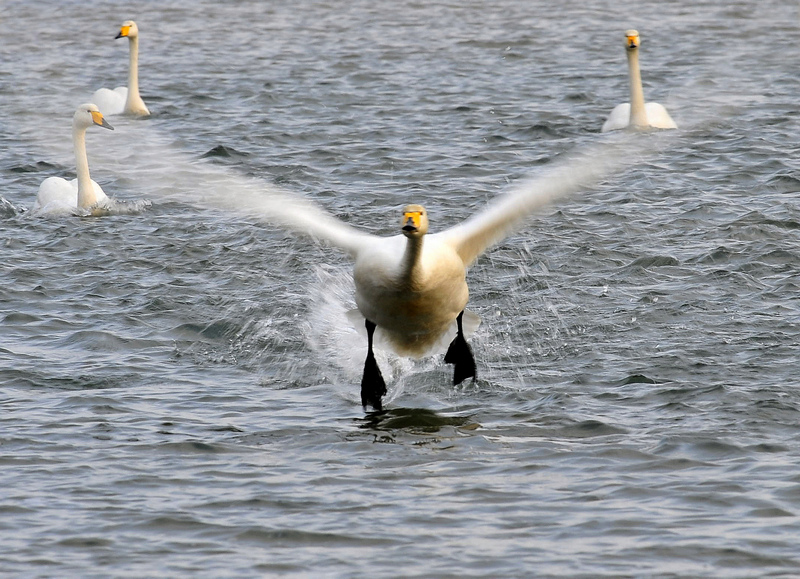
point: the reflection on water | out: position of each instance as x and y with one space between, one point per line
414 421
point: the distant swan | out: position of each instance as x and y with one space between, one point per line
412 287
637 114
57 195
124 100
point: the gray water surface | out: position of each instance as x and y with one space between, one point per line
180 386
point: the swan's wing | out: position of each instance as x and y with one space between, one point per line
56 196
99 193
507 213
305 217
55 189
658 117
110 102
278 207
619 118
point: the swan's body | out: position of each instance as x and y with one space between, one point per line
57 195
124 100
411 289
637 114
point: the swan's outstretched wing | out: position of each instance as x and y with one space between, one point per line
507 213
278 207
305 217
110 102
619 118
658 116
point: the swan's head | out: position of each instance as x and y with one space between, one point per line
632 40
415 221
87 115
128 30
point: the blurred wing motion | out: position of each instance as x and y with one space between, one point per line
297 214
507 213
487 227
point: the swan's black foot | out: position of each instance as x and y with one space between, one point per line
372 385
460 354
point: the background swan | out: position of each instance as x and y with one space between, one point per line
57 195
637 114
124 99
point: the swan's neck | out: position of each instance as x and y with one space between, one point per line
86 194
134 103
409 267
638 118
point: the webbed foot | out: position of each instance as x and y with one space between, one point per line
460 355
373 386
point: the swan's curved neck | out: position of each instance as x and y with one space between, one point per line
134 103
86 194
638 115
133 68
409 267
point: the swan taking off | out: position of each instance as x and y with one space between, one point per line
124 100
637 114
59 196
411 288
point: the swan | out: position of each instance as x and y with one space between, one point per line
124 100
410 288
637 114
57 195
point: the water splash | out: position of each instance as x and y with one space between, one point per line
110 207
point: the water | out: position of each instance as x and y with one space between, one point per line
180 385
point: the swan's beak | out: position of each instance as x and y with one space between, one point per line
98 119
632 42
123 32
413 219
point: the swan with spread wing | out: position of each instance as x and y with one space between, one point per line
411 287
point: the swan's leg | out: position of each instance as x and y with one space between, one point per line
460 354
372 385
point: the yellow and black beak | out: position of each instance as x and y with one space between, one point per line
123 32
100 121
633 41
412 220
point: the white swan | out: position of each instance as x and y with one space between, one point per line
412 287
57 195
637 114
124 100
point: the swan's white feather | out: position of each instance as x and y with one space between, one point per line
299 215
620 117
658 117
57 196
111 102
508 212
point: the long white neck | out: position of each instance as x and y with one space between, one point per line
409 270
134 103
86 194
638 118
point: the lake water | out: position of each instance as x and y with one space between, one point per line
180 387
